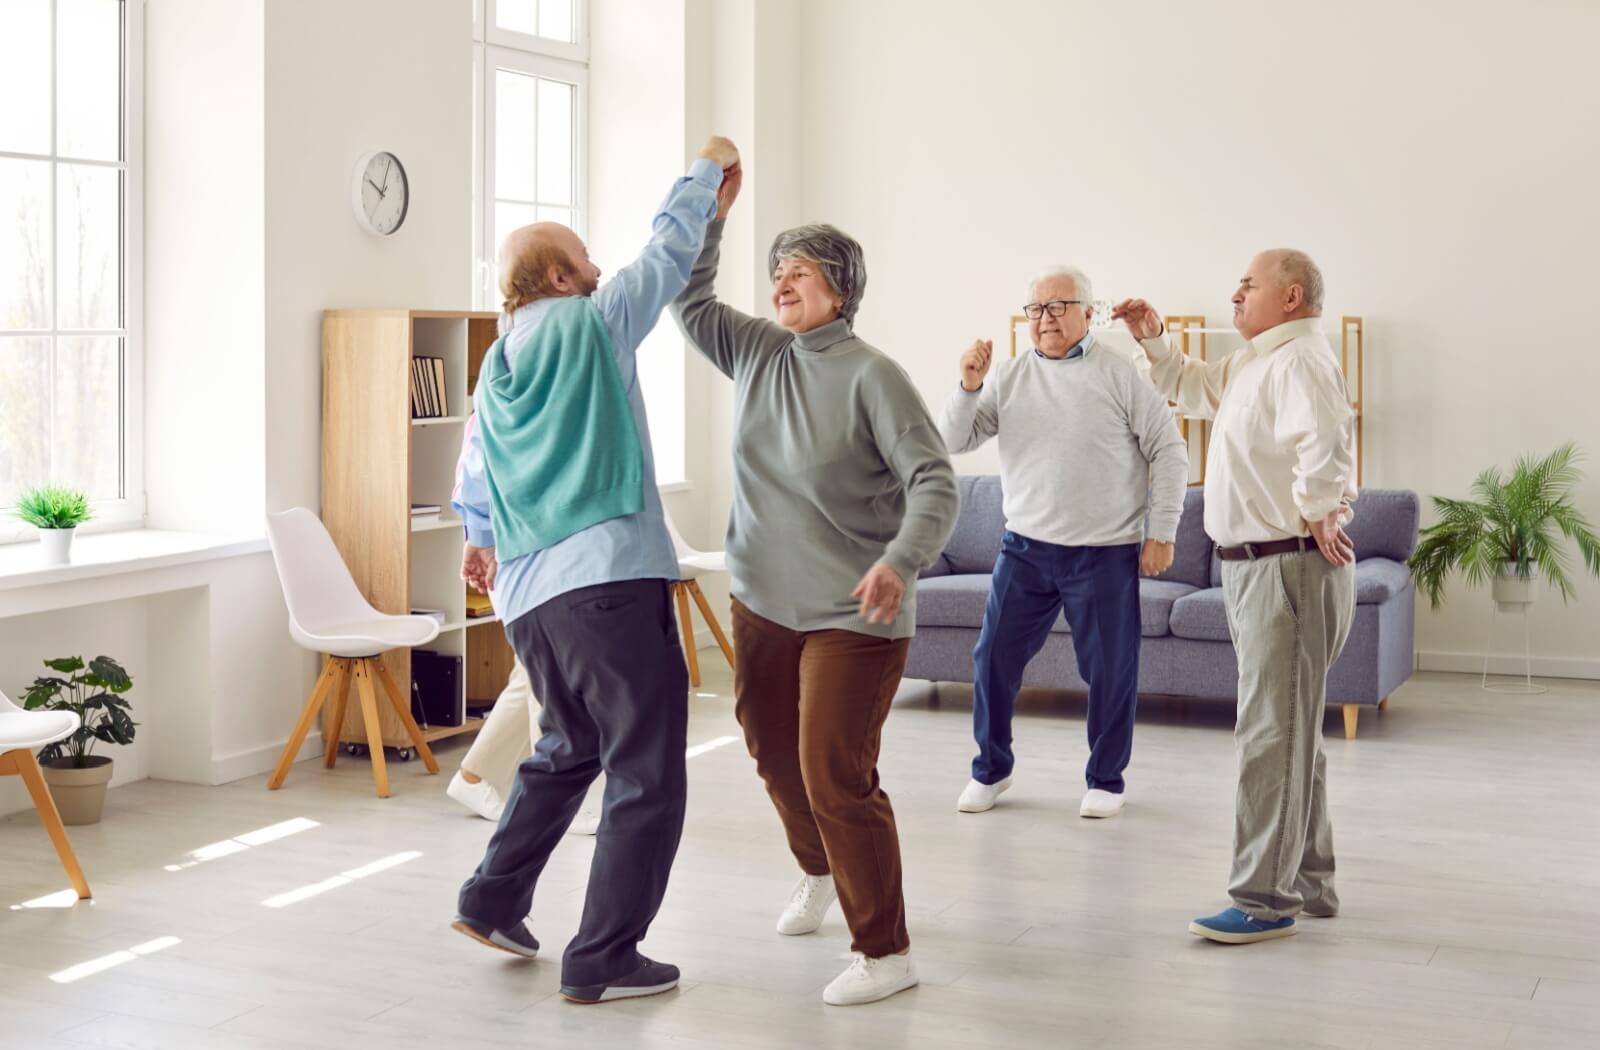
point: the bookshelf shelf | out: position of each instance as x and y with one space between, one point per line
378 462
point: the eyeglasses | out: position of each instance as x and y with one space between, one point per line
1057 307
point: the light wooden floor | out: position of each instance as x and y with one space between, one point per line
1467 827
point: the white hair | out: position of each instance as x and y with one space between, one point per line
1295 267
1081 286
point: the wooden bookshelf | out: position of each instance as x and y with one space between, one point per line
377 460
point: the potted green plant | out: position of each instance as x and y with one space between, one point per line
1510 533
56 512
94 692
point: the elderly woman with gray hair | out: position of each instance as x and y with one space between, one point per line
843 492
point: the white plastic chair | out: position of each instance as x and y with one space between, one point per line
692 564
20 732
328 614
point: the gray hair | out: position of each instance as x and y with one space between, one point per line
1296 267
1081 285
836 252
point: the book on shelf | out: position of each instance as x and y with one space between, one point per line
429 399
421 509
437 615
478 605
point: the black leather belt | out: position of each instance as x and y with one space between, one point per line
1252 551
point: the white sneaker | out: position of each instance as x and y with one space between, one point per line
809 902
585 823
977 798
1099 804
481 797
867 980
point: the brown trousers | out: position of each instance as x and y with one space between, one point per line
813 704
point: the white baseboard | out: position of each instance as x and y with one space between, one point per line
1509 664
259 760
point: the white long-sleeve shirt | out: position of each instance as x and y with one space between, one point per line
1282 449
1087 448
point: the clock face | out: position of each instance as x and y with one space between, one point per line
382 193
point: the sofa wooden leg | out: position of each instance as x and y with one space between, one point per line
1351 713
1383 705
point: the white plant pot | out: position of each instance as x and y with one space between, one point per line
1513 593
57 545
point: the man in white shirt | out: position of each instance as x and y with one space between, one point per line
1093 470
1279 486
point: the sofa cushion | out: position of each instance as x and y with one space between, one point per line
1156 598
959 601
1379 579
974 547
1385 524
1191 554
1201 616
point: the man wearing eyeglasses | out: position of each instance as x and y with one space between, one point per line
1093 471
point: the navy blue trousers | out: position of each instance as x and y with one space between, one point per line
1098 589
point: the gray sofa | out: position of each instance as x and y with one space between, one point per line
1185 650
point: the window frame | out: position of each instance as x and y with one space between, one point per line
127 511
537 57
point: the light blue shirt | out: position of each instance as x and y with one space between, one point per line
637 546
1078 349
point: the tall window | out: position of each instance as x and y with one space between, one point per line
530 85
69 234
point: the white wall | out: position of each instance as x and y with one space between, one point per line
1424 153
205 352
344 79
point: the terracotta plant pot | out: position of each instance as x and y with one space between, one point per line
80 794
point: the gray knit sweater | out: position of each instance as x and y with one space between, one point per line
837 464
1086 448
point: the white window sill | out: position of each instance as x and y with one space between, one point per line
113 553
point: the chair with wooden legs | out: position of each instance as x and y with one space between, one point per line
692 564
20 732
329 615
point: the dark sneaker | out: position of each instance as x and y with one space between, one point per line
1233 926
516 940
651 978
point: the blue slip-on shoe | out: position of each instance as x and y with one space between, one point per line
516 940
651 978
1235 927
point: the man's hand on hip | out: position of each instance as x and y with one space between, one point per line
478 567
1334 543
1156 558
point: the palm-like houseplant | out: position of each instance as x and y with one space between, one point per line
1509 532
56 512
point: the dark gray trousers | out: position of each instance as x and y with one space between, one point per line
609 674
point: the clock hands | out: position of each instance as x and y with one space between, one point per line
375 186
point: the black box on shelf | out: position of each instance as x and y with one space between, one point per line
436 683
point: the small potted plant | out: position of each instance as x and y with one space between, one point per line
56 512
94 692
1509 533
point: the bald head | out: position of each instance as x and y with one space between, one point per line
544 261
1281 285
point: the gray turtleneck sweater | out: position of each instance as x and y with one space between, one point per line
837 464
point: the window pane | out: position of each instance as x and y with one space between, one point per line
88 236
555 142
518 15
88 415
515 104
25 76
89 79
561 215
24 416
24 243
555 20
508 216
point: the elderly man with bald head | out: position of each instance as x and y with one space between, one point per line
1278 493
1093 471
565 532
